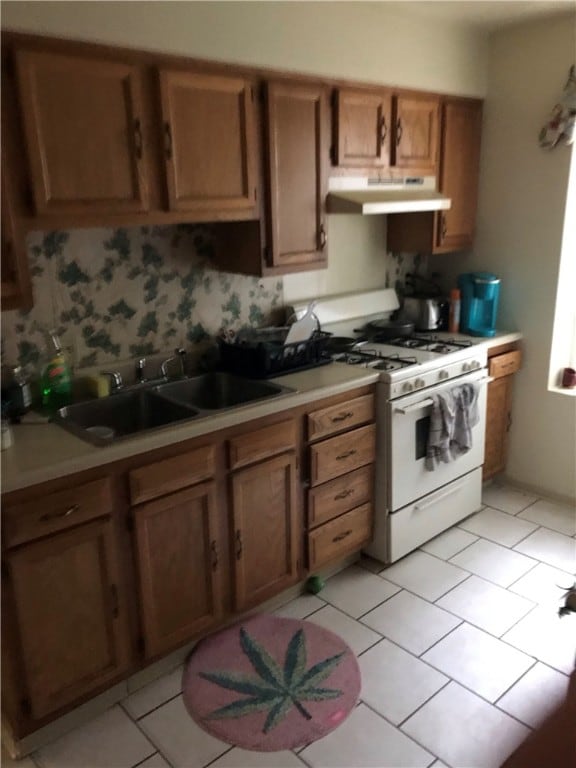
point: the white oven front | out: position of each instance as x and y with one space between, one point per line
406 438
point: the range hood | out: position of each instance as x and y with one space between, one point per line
379 196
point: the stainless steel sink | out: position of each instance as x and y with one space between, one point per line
219 391
145 408
122 415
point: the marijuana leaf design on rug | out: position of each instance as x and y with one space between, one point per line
275 689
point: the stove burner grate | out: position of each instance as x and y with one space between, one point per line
429 343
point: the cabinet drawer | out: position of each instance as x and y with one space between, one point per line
47 514
262 443
171 474
337 496
339 537
335 418
504 365
339 455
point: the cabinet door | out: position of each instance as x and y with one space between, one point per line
83 125
498 423
459 169
297 155
363 122
266 545
16 287
415 142
72 636
209 142
178 562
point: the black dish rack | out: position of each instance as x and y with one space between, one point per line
265 359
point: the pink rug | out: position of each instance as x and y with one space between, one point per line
269 684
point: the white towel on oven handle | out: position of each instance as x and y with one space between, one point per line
454 414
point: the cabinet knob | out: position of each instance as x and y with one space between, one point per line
238 544
398 131
383 129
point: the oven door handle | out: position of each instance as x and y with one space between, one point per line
415 406
428 401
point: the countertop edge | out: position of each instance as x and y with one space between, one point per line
83 456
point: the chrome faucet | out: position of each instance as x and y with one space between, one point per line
179 355
116 383
140 366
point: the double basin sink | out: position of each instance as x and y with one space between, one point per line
143 408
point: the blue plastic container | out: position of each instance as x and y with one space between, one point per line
480 292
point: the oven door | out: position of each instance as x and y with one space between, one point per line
409 428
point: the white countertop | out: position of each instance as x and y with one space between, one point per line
42 452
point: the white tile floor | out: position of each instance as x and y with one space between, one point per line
464 631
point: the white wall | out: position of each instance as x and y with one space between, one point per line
523 193
362 40
357 40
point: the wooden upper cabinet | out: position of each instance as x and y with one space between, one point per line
16 286
265 536
297 153
363 122
209 141
415 143
67 619
83 124
453 229
179 565
459 171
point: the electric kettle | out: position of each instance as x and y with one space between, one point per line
426 314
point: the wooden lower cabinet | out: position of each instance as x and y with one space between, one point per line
167 547
499 411
340 508
178 560
265 530
67 620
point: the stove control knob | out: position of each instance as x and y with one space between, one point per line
407 387
443 375
474 365
419 383
465 368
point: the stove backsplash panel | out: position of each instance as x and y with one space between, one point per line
117 294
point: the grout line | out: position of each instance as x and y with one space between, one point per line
146 758
397 727
440 639
148 738
423 704
205 765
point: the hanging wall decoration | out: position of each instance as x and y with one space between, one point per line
561 124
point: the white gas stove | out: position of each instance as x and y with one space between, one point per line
413 503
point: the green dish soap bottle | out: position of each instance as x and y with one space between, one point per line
56 379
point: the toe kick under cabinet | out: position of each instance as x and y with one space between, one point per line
341 475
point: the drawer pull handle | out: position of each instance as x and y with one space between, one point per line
167 141
238 544
138 143
64 513
343 494
342 417
214 556
346 455
341 536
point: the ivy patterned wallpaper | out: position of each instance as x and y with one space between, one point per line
113 295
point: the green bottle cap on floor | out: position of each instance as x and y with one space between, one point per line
315 584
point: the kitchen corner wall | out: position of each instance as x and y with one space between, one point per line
521 213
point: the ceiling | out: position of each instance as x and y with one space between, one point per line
487 15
